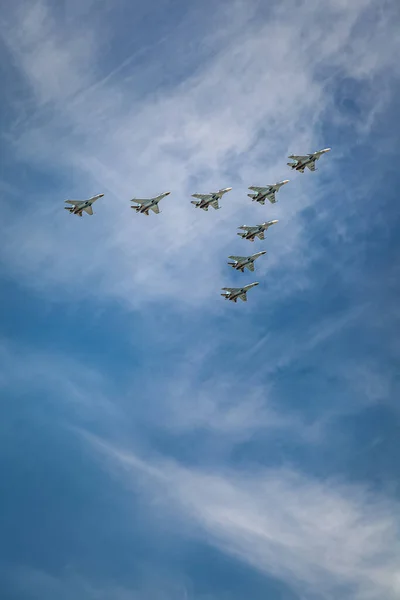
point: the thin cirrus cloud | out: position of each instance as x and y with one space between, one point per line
324 537
245 101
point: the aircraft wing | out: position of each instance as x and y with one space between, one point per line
74 202
311 166
140 201
250 266
202 196
228 289
88 210
155 208
298 158
258 189
260 235
245 227
214 204
271 197
243 297
238 258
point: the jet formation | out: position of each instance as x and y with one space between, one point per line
204 201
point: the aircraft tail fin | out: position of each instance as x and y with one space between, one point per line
252 196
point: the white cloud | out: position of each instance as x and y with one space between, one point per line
232 122
322 538
60 376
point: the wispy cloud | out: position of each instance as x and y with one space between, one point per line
232 122
321 537
53 376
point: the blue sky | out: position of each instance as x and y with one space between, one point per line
157 442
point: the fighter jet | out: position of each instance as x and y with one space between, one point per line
206 200
79 205
240 262
250 233
301 162
143 206
235 293
266 193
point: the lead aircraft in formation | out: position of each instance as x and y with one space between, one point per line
266 193
77 206
301 162
205 200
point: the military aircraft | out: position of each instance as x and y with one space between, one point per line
301 162
206 200
79 205
240 262
144 205
250 233
235 293
267 192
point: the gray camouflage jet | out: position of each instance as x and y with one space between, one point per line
240 262
301 162
235 293
144 205
206 200
82 205
267 192
250 233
